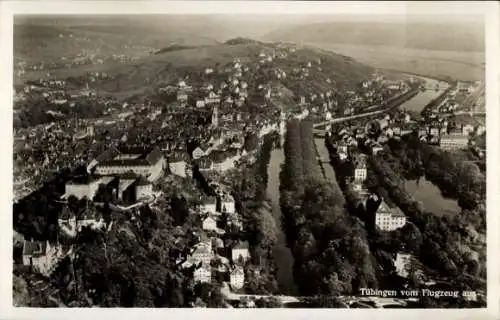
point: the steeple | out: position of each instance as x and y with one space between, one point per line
215 117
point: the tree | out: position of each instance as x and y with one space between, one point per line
251 142
268 231
271 302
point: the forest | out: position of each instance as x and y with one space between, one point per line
330 247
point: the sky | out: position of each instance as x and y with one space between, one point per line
224 26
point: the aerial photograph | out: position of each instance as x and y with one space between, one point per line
249 161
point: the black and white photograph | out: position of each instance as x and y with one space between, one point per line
251 159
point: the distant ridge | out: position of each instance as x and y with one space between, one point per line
174 47
241 40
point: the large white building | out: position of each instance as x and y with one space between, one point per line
389 218
141 161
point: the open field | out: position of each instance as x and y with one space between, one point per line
457 65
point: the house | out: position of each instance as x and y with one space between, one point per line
240 251
237 278
422 132
209 205
434 131
212 98
202 253
217 243
342 148
43 257
200 103
198 153
360 172
402 264
389 218
209 224
203 274
467 129
227 204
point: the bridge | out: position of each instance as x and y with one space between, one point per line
376 302
234 296
391 103
436 86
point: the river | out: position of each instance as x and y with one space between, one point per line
418 103
431 198
281 253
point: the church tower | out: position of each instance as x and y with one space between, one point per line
215 117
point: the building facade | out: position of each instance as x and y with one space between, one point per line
452 142
203 274
402 264
144 162
240 251
237 278
389 219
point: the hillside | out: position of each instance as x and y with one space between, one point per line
424 36
167 68
39 42
327 71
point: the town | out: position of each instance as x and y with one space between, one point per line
258 181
